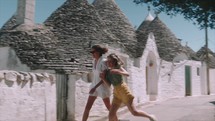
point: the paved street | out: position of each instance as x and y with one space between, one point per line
197 108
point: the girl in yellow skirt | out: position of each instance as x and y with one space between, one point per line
121 92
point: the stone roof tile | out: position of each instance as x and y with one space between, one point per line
65 42
168 45
78 26
118 24
10 24
33 48
201 53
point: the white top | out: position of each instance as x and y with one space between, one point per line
103 90
149 17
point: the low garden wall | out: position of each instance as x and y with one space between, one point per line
27 96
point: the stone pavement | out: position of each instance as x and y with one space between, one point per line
196 108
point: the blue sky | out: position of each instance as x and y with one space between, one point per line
182 28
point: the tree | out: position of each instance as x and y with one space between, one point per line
200 12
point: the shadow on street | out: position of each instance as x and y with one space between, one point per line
213 102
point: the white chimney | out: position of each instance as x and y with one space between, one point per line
25 12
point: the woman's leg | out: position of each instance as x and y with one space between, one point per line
112 114
135 112
107 103
89 104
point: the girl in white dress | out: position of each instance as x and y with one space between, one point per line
97 88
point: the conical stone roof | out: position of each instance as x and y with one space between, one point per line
191 53
76 18
78 26
64 42
149 18
118 23
201 53
10 24
168 45
35 48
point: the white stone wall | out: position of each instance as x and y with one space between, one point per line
138 75
77 98
212 81
171 82
172 79
195 78
204 83
138 85
27 96
204 89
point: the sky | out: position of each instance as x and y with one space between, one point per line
136 14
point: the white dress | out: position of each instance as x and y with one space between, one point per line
103 90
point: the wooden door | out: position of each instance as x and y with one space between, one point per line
187 81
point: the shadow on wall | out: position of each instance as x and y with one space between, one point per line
9 83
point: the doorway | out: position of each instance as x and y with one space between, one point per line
187 81
151 77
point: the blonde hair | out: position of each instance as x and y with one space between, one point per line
116 60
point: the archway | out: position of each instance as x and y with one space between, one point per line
151 77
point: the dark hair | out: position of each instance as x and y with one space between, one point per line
116 60
100 49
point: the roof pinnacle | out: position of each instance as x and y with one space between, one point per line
149 17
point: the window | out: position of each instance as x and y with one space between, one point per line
198 71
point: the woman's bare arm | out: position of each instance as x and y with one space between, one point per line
120 71
94 88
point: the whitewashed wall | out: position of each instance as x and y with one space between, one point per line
204 83
138 71
172 79
204 89
27 96
78 93
195 78
212 81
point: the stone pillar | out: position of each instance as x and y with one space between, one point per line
71 97
25 12
203 79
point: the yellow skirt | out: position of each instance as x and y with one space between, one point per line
122 94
